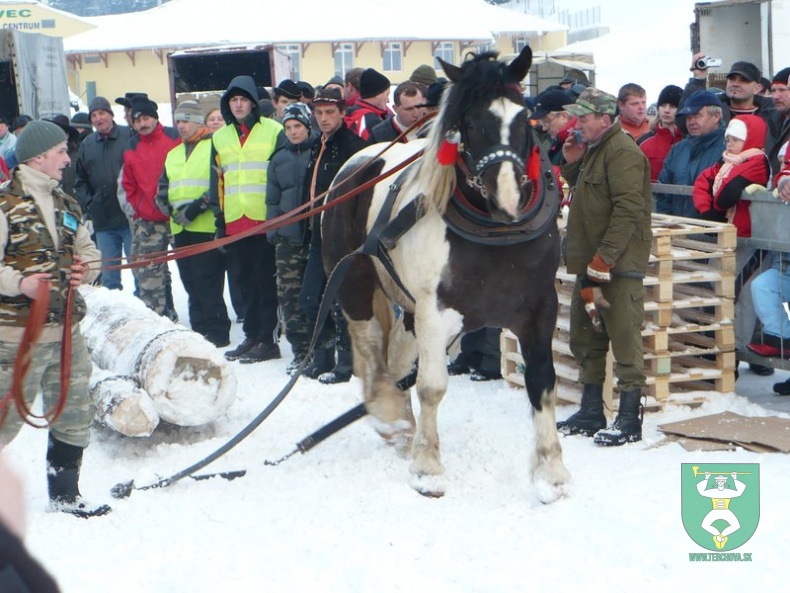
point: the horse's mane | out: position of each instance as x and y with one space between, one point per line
483 78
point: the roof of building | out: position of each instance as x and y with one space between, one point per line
192 23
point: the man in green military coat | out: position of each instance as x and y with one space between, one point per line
608 245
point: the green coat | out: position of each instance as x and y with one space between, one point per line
610 211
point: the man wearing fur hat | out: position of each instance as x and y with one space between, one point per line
43 243
374 92
183 196
237 196
143 162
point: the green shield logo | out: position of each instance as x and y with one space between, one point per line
720 503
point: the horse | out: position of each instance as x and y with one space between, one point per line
466 237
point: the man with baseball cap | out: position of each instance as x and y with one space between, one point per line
49 249
700 149
608 247
143 162
554 119
740 95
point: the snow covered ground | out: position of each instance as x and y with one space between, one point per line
343 517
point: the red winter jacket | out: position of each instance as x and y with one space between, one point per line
366 117
143 163
656 145
713 203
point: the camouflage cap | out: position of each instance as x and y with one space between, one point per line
593 100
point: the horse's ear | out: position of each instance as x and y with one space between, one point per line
452 72
519 67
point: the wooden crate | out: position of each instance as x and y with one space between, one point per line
688 336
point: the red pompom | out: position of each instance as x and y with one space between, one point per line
448 149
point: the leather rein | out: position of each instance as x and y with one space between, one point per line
40 304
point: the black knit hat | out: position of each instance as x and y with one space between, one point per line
372 83
670 94
141 107
38 137
287 88
782 77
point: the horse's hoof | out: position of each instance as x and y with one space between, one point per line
551 483
428 486
397 435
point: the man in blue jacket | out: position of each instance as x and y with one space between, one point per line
701 149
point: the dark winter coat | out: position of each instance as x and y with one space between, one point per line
385 131
773 151
143 163
610 211
285 188
96 171
713 202
656 145
685 161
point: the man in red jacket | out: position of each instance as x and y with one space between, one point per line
143 162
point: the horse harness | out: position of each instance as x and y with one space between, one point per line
462 217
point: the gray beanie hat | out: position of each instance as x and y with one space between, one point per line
37 138
188 111
99 104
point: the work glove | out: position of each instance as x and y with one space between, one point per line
189 212
598 270
594 302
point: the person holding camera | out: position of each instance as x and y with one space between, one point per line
741 93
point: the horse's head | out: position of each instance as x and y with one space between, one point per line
485 108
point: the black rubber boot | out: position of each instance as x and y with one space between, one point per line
342 371
63 475
323 362
782 388
259 353
627 427
589 419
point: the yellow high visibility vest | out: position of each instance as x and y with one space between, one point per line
244 168
189 180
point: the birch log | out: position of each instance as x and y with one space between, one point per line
188 379
122 405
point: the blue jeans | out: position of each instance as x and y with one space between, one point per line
110 243
769 292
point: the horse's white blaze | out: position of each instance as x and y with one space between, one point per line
508 193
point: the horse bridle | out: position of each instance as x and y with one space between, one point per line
500 153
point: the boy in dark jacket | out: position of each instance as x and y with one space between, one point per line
285 191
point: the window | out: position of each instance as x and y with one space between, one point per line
344 59
445 51
519 43
92 58
295 51
393 56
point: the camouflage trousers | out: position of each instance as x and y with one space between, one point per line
73 426
153 281
291 262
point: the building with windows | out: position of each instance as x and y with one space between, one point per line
129 51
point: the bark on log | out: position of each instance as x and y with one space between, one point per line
187 378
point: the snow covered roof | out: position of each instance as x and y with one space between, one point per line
187 23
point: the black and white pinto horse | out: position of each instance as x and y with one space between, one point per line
481 249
